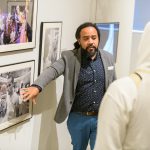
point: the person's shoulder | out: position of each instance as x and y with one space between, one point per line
122 92
124 84
121 81
69 52
105 52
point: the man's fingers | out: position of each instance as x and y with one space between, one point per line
28 98
29 94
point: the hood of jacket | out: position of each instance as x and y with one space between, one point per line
143 59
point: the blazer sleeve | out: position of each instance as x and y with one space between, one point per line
50 73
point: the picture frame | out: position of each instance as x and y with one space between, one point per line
17 24
13 77
109 35
50 44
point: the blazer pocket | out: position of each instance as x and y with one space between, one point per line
110 75
110 67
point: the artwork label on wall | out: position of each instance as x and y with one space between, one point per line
17 24
50 44
13 77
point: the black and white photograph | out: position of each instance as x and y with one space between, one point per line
50 44
17 25
12 107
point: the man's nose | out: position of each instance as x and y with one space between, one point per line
90 41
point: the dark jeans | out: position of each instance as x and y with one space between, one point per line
82 129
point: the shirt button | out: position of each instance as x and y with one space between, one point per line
94 80
94 91
94 102
94 70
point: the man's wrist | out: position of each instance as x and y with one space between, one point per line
37 86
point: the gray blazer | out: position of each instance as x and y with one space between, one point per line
69 65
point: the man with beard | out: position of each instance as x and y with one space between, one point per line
87 73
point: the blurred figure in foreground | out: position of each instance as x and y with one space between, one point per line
124 115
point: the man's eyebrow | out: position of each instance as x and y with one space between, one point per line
89 35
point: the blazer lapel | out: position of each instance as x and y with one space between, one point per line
77 67
105 68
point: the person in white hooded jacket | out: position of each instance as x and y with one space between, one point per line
124 115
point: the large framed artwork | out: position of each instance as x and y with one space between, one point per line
50 44
17 24
13 77
109 32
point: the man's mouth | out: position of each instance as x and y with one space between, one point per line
91 47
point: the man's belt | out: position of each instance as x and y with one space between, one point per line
89 113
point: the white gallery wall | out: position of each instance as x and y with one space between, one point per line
141 14
40 132
136 37
142 8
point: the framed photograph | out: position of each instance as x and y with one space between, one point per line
17 24
109 33
13 77
50 44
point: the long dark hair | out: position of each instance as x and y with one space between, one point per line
82 26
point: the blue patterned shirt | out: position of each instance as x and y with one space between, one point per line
91 85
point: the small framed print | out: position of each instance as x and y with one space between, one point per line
13 77
50 44
17 24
